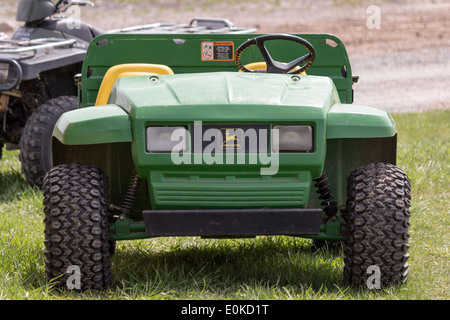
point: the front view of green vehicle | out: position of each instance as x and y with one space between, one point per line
223 135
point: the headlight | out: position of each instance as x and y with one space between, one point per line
10 74
167 139
293 139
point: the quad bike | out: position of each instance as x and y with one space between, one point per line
223 135
37 69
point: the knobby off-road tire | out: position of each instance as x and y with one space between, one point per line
378 221
76 226
35 142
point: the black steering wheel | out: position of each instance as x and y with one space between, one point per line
303 62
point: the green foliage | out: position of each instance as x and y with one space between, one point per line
279 268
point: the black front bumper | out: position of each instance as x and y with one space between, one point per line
232 222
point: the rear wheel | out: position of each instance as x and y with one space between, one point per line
76 227
333 246
35 143
378 221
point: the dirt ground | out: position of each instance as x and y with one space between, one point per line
404 66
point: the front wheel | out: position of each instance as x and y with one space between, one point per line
378 220
35 142
77 253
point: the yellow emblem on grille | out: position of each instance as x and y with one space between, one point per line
231 138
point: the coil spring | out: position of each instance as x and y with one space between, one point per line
322 185
128 201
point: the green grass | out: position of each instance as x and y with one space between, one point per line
273 268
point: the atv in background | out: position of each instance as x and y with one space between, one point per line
37 69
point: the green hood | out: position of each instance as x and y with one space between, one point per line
224 95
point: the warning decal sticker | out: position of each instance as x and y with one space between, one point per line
217 50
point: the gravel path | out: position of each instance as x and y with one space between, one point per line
403 67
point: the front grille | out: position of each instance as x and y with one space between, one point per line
197 191
239 138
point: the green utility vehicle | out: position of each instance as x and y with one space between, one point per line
223 135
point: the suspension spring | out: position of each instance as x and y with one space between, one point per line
322 185
128 201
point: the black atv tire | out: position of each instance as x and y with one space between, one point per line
35 142
76 226
378 221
